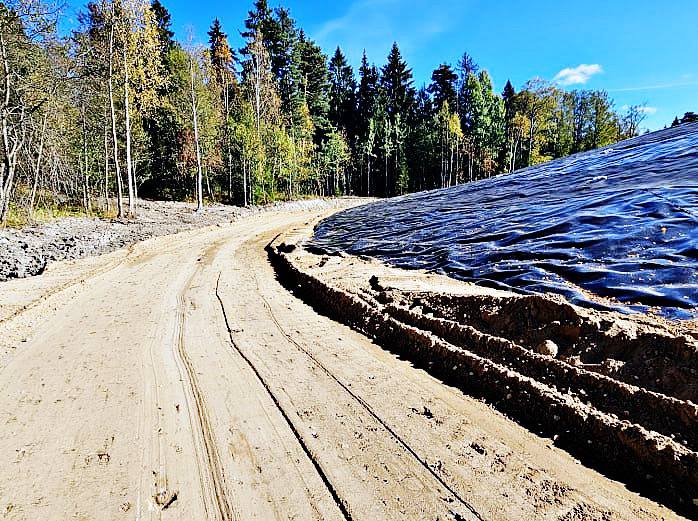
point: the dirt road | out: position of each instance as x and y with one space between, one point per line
179 380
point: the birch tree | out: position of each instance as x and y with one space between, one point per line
141 70
24 26
195 123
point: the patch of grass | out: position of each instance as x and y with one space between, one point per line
18 216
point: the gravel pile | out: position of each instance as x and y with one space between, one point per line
27 251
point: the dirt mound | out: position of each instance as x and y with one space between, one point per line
618 391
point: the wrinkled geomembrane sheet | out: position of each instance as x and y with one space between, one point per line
619 222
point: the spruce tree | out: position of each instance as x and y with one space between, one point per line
689 117
222 56
163 22
312 69
423 145
396 82
367 94
366 123
258 19
466 66
120 96
342 94
509 95
282 42
398 93
493 122
506 151
443 86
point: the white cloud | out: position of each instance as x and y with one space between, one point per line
579 74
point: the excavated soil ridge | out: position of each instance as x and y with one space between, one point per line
617 391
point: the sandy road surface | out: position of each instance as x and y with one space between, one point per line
178 380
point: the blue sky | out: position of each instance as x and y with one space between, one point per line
641 51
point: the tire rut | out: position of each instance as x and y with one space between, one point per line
210 468
340 502
413 453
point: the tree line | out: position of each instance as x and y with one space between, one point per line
121 109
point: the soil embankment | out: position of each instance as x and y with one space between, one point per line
617 390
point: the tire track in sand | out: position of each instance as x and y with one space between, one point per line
218 505
365 406
341 503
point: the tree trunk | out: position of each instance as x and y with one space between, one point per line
106 165
386 174
199 174
117 167
127 115
244 181
226 97
530 137
230 176
135 178
290 184
257 89
451 179
10 147
368 177
37 168
208 186
85 181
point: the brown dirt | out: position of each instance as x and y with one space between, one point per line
617 391
178 379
